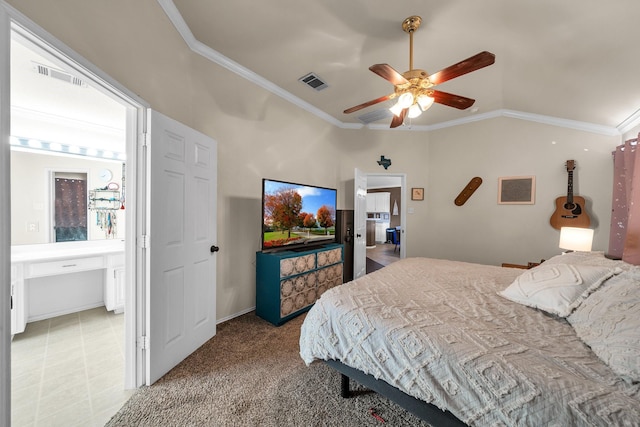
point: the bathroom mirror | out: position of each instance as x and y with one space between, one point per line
63 128
58 198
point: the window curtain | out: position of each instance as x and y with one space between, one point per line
624 238
70 209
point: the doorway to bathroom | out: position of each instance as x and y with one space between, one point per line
69 196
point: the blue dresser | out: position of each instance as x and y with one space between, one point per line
289 282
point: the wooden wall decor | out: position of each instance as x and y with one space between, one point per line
467 191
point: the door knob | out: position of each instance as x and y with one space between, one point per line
214 248
358 235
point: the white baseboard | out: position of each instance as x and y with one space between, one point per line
63 312
240 313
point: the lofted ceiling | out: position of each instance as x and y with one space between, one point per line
570 62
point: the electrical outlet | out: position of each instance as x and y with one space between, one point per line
33 227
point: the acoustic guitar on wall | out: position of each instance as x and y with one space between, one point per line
570 211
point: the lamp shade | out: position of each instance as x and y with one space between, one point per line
396 109
414 111
425 102
576 239
405 100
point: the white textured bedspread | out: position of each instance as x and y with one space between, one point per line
438 331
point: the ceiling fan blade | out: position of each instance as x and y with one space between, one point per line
399 119
369 103
451 100
388 73
473 63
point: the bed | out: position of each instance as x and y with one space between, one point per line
556 345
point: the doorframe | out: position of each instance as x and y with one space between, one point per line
403 205
5 225
136 213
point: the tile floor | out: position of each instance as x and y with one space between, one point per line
69 370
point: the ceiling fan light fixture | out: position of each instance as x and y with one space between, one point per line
425 102
405 100
396 109
414 111
413 88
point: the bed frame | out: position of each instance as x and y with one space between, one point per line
423 410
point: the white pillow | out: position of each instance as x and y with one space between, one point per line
556 288
608 322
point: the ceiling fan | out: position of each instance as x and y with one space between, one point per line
414 88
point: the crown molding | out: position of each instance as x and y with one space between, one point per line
566 123
200 48
631 122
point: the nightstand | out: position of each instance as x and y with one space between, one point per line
523 266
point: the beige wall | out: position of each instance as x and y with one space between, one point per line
261 135
482 230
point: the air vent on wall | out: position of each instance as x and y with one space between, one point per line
313 81
44 70
374 116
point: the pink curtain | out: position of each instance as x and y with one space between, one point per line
624 238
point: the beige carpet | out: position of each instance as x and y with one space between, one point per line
251 374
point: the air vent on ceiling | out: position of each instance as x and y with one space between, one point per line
313 81
47 71
374 116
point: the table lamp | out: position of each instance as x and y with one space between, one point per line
576 239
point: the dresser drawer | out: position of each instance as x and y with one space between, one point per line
63 267
297 265
329 257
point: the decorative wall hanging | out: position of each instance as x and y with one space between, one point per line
417 194
384 162
516 190
467 191
570 210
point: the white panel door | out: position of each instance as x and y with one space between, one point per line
181 293
360 224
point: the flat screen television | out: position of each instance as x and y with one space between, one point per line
297 215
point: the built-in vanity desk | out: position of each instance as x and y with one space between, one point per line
49 280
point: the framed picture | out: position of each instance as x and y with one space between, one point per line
417 194
516 190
